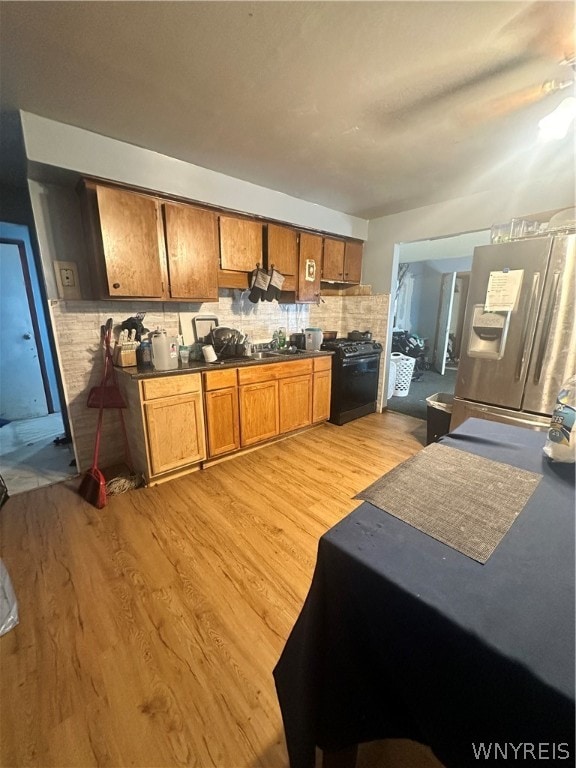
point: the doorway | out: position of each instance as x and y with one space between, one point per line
35 448
433 279
450 324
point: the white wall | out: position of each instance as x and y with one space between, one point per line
464 214
469 213
54 144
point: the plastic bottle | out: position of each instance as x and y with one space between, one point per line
164 351
561 442
144 354
281 337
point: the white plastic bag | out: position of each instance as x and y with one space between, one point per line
8 602
561 442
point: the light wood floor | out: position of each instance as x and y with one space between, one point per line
149 629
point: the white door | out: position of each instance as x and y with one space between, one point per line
444 317
22 393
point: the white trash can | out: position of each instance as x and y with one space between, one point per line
404 371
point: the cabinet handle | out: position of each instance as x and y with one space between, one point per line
115 285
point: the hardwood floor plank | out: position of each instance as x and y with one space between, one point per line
149 629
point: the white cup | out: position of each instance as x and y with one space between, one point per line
209 353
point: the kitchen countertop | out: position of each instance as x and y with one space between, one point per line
197 366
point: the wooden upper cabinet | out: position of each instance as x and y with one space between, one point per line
132 243
283 249
191 251
309 265
240 244
353 262
342 261
333 260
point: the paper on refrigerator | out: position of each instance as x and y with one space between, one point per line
503 290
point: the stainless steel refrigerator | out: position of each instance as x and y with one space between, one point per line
519 337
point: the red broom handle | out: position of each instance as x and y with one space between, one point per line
97 441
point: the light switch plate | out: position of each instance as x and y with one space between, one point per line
67 279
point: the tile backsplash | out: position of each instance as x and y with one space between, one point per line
77 325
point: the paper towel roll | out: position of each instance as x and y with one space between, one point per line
209 353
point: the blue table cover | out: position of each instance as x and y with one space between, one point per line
401 636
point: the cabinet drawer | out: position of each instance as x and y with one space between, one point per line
273 371
220 379
166 386
322 364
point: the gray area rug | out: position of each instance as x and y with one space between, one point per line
465 501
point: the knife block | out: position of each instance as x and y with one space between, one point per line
124 358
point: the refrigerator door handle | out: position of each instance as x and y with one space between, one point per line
546 327
522 357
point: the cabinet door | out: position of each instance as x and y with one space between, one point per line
192 252
240 244
258 412
222 423
295 399
321 399
175 428
310 258
131 240
283 249
353 263
333 260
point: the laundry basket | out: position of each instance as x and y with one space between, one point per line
391 380
404 370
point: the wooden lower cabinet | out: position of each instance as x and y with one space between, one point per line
175 427
222 421
176 422
295 402
222 413
258 412
164 424
322 389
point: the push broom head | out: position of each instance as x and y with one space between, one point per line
93 488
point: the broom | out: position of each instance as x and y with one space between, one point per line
94 487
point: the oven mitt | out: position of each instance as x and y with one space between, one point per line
270 293
276 280
258 286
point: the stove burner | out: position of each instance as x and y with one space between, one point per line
345 348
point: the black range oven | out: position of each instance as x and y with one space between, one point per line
355 369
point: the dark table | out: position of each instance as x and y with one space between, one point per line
401 636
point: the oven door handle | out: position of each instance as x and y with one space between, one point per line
356 360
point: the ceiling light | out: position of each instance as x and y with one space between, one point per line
555 126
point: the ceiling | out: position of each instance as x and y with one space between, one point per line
368 108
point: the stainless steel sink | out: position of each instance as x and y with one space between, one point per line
263 355
290 352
